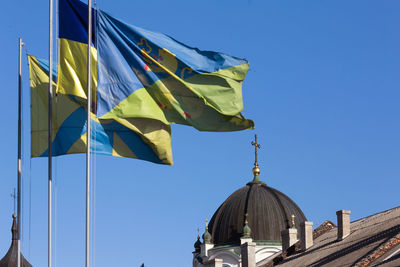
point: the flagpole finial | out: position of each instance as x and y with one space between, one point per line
256 170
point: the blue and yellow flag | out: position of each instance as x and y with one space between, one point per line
139 138
144 74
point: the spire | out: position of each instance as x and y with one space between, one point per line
256 170
207 236
246 228
14 228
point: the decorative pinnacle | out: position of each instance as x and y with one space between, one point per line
197 244
207 236
246 228
14 228
256 170
293 224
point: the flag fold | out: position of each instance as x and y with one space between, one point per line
142 74
140 138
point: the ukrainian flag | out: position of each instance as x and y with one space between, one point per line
144 74
139 138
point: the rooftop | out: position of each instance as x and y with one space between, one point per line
373 241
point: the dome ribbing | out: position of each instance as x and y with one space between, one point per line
269 211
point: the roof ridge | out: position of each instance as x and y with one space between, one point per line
379 252
375 214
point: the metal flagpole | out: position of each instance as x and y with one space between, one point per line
88 133
19 152
50 125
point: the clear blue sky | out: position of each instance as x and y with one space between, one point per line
323 90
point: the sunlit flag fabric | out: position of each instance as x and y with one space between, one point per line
144 74
140 138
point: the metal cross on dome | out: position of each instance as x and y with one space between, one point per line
256 145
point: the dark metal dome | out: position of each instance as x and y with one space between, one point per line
11 258
269 211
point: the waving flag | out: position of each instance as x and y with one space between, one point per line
140 138
144 74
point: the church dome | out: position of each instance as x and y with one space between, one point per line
268 212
